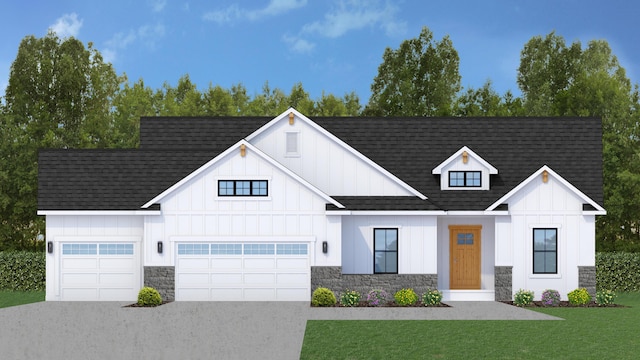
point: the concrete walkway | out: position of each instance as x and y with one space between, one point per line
197 330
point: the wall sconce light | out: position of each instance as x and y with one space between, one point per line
50 247
325 247
159 247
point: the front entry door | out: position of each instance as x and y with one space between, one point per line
464 257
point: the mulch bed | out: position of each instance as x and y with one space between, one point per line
388 304
564 304
146 306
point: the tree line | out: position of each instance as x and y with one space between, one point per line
62 94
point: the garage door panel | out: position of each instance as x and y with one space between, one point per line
193 263
226 294
79 263
193 294
119 279
289 293
259 279
191 279
258 294
225 264
222 279
71 279
263 264
293 278
285 263
116 263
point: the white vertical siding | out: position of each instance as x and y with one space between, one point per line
324 163
417 243
195 210
550 205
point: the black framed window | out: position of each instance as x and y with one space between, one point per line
465 178
385 253
242 188
545 251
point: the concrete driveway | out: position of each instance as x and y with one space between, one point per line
196 330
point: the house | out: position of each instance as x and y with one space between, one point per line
271 208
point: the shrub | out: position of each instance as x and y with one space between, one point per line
618 271
22 270
405 297
579 297
377 297
323 297
350 298
148 296
605 297
432 297
523 297
550 298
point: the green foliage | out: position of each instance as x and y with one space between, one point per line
432 297
579 297
605 297
550 298
618 271
22 271
350 298
148 296
523 297
405 297
420 78
323 297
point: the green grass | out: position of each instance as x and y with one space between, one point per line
586 333
13 298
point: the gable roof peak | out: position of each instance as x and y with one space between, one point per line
464 151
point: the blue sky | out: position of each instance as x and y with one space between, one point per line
334 46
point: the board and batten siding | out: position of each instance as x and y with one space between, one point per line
195 211
86 228
547 205
417 243
324 163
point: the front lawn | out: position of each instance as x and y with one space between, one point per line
13 298
586 333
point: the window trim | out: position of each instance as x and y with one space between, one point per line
466 179
534 252
251 188
386 251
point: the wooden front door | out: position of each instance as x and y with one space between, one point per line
464 257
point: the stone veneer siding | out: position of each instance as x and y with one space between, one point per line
503 283
161 278
587 279
332 277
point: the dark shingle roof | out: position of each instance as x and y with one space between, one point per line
171 148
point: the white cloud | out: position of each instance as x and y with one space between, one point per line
356 14
233 12
299 45
158 5
66 26
146 34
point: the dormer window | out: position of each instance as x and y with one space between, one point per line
465 179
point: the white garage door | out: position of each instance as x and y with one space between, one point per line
99 271
242 272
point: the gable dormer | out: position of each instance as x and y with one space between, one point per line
465 170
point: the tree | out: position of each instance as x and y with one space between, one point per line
129 104
485 101
561 80
420 78
58 96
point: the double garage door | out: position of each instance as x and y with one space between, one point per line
242 272
92 271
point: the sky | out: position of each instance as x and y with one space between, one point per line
331 46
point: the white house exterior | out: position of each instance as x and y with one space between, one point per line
269 209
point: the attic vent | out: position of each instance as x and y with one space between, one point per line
292 144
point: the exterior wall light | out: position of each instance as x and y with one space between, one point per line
159 247
325 247
50 247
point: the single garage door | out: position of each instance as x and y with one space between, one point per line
242 272
99 271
